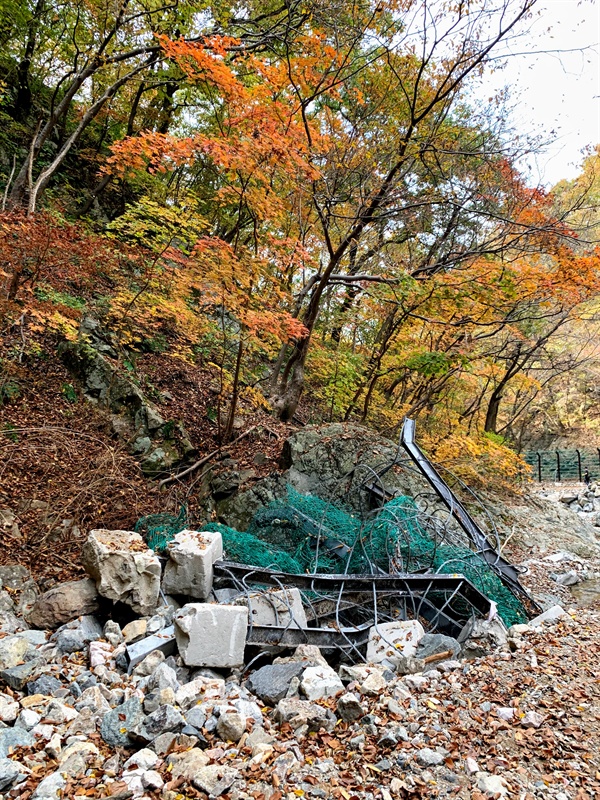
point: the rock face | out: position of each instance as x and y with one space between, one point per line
159 444
124 569
189 570
211 635
63 603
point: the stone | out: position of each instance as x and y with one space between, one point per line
570 578
231 726
124 568
349 707
117 723
214 779
93 698
519 629
45 685
9 772
77 758
9 709
63 603
10 623
134 630
433 643
374 683
196 717
320 682
112 633
211 635
189 570
150 664
17 677
532 720
143 759
479 636
163 677
14 650
505 713
152 780
304 714
275 608
390 639
50 788
58 712
493 785
186 765
204 689
28 719
164 720
271 682
13 576
429 758
553 614
14 737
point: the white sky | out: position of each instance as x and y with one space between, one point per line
556 91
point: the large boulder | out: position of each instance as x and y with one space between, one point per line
124 568
63 603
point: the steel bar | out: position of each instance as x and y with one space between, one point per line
506 571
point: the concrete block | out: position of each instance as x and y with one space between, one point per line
189 570
391 639
276 608
211 635
124 568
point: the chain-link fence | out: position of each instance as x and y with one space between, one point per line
564 465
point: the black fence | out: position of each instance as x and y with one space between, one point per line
564 465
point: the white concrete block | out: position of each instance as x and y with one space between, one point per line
276 608
189 570
390 639
211 635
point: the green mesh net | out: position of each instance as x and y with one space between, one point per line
304 534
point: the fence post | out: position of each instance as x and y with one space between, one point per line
539 462
579 464
557 466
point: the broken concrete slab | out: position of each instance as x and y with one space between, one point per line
124 568
189 570
210 635
390 639
551 615
280 608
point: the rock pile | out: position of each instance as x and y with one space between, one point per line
79 717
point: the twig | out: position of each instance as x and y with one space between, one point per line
204 459
438 656
271 431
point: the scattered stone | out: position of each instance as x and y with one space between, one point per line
570 578
553 614
117 723
231 726
320 682
14 737
63 603
433 643
113 633
189 570
211 635
349 707
134 630
532 720
429 758
78 757
214 779
272 682
9 772
186 765
9 709
164 720
304 714
17 677
124 568
50 788
493 785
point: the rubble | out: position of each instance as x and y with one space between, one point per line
63 603
210 635
189 570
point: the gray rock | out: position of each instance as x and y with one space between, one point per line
271 683
164 720
17 677
9 709
349 707
118 723
14 737
231 726
45 684
163 677
10 623
63 603
14 576
550 616
433 643
50 788
570 578
70 642
196 717
214 779
186 765
429 758
9 772
320 682
304 714
113 633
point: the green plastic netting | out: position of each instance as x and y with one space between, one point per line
304 534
